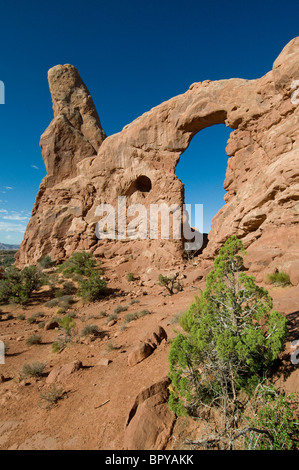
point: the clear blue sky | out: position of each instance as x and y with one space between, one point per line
132 55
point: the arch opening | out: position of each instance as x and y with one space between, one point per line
202 169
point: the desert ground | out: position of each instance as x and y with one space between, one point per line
97 398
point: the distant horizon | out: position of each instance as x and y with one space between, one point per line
9 244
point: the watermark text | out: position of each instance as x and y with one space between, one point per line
2 93
295 94
156 222
2 353
295 355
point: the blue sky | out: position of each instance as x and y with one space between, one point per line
132 56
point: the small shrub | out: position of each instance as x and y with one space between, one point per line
72 315
66 301
60 311
18 286
176 318
9 316
67 324
46 262
68 288
21 317
52 303
171 283
185 320
279 279
58 293
93 288
134 316
143 313
131 317
111 317
34 370
134 301
120 308
52 279
75 277
90 330
52 396
275 417
59 345
130 277
32 319
82 263
35 317
34 339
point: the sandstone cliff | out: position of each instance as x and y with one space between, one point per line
85 169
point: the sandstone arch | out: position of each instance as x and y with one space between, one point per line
85 169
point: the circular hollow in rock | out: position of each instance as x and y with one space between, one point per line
142 184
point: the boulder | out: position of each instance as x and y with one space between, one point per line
150 422
147 345
141 352
51 325
104 362
155 337
62 373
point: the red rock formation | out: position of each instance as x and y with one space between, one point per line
75 132
150 422
262 179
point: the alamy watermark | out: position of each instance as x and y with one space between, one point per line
2 353
295 355
137 222
2 93
295 94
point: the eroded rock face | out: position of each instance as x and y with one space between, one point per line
262 179
150 422
75 132
62 373
147 346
